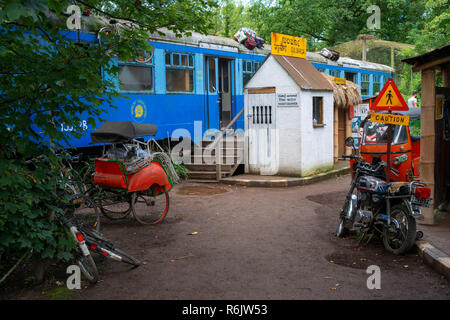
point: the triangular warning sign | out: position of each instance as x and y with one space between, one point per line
390 98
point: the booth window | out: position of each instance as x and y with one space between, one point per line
135 76
365 84
376 83
248 69
318 112
179 72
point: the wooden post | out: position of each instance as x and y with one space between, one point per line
364 50
388 155
446 76
336 133
427 139
348 129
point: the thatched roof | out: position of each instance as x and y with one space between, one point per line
344 95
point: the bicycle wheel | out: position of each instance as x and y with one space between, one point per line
150 209
115 209
126 258
98 243
85 210
88 267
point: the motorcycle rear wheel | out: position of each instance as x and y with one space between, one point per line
402 239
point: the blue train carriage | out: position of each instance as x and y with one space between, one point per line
194 84
191 84
369 76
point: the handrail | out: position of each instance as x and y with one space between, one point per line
232 122
216 143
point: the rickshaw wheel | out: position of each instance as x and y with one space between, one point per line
150 209
116 211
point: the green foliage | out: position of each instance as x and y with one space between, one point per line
181 170
47 81
436 26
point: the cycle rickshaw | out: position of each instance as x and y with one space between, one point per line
129 176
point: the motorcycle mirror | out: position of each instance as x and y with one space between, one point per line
349 142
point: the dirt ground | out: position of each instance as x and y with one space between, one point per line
232 242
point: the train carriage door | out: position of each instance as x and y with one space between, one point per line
211 98
225 93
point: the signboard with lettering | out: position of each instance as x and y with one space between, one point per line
285 45
389 118
362 110
287 100
339 80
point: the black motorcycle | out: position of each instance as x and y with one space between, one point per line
374 206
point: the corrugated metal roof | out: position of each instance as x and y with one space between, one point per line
303 73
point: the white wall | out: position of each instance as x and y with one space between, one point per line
317 143
301 147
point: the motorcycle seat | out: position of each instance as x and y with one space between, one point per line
401 187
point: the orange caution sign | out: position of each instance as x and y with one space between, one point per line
390 98
390 118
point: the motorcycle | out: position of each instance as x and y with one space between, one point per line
374 206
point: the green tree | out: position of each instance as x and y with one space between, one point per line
436 27
327 23
48 80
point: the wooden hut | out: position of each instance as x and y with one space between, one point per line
435 126
345 95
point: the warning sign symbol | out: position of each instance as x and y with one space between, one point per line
390 98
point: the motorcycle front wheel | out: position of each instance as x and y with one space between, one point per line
342 230
399 237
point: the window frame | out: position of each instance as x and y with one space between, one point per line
376 81
320 123
335 73
365 82
254 66
190 58
150 65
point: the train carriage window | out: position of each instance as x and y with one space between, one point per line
176 59
135 76
335 73
365 84
376 83
212 75
179 72
248 69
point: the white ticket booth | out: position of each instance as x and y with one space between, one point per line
288 119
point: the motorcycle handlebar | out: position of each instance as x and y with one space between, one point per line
369 166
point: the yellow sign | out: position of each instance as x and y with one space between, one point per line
339 80
285 45
390 98
389 118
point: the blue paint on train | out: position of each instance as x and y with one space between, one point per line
180 114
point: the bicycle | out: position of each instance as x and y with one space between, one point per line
89 239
